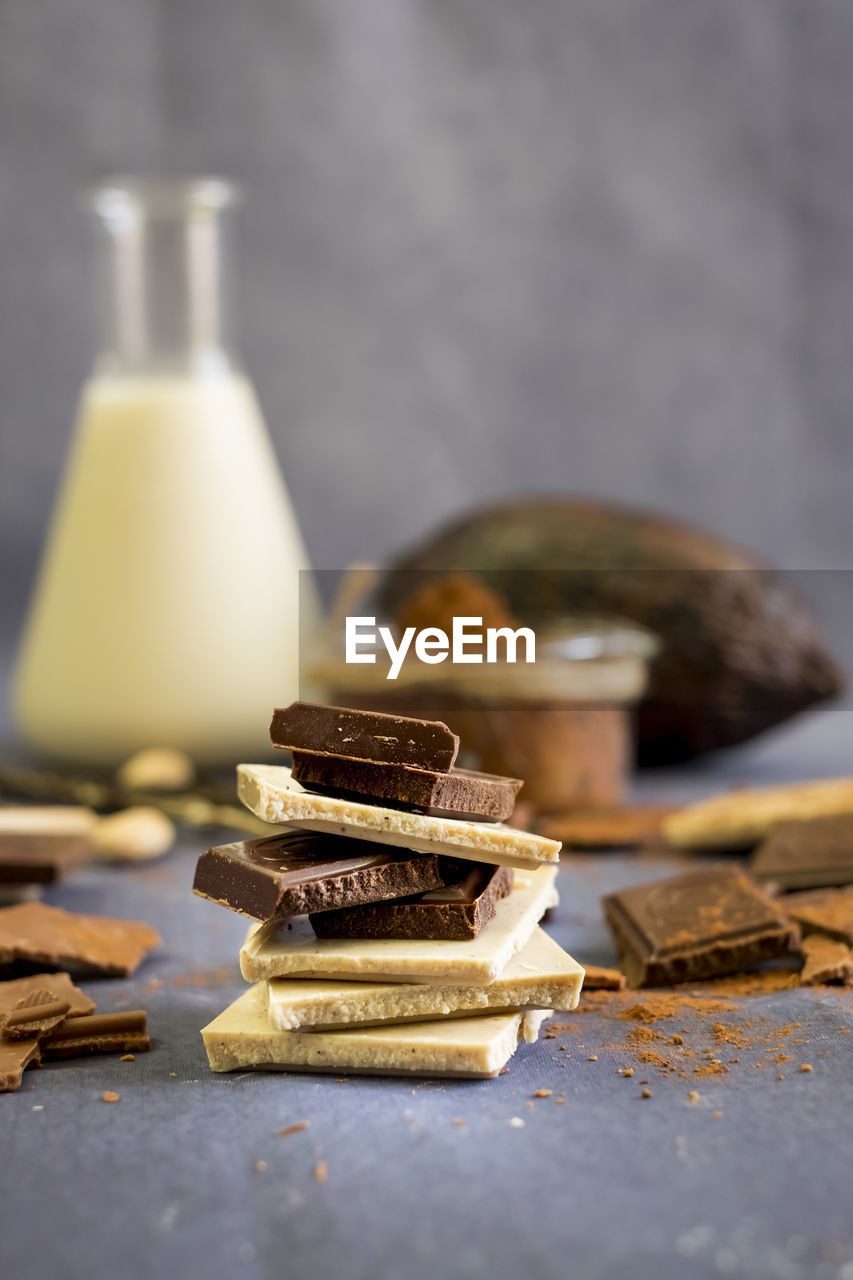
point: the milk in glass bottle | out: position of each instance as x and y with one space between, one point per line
166 610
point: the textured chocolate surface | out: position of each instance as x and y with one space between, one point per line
459 910
364 735
34 1014
696 926
304 871
458 793
807 855
35 934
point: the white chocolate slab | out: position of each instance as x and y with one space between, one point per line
540 976
292 950
272 794
241 1038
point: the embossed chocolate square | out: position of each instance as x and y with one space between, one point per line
697 925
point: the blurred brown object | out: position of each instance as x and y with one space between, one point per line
740 652
605 828
597 979
453 595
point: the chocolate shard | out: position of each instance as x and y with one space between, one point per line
459 793
303 871
460 909
364 735
695 926
17 1054
34 1014
123 1032
826 961
807 855
34 934
826 911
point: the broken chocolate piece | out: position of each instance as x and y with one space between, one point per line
303 871
364 735
459 910
827 911
99 1033
695 926
825 961
35 934
459 793
34 1014
807 855
16 1054
595 978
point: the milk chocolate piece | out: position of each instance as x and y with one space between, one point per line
34 1014
461 909
595 978
16 1054
807 855
99 1033
695 926
459 793
826 911
364 735
825 961
303 871
35 934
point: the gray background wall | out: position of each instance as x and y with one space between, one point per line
599 245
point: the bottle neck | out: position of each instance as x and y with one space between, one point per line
165 277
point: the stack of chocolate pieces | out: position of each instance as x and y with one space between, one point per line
397 915
44 1016
40 845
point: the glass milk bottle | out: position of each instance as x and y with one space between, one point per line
166 608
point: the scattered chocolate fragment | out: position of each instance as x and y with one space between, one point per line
598 979
807 855
99 1033
304 871
827 911
34 934
458 793
34 1014
364 735
460 909
694 926
826 961
109 1096
16 1054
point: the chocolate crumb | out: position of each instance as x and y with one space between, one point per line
645 1093
693 1096
321 1171
108 1096
127 1057
561 1102
543 1093
806 1066
717 1115
780 1077
626 1071
459 1123
293 1128
260 1166
593 1057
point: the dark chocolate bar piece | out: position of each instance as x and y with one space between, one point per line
98 1033
807 855
459 793
459 910
35 934
695 926
364 735
826 911
304 871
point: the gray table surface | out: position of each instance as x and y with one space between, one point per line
607 1185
